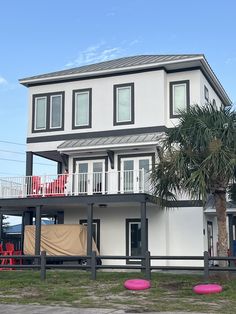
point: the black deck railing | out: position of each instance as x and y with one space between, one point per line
43 262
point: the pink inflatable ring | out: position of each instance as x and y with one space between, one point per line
137 284
207 288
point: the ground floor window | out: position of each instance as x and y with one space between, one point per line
95 231
133 237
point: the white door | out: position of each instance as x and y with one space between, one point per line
134 175
90 177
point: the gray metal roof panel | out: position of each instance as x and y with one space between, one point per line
125 62
110 140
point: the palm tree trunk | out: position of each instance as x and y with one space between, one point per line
220 203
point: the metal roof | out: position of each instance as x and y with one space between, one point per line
111 141
120 63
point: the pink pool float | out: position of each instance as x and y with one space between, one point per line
207 288
137 284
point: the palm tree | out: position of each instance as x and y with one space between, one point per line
198 157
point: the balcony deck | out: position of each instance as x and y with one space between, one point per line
76 184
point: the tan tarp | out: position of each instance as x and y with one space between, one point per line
58 240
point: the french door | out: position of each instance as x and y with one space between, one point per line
90 177
134 174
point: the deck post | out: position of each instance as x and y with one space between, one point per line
231 239
29 163
147 265
43 266
143 231
1 227
93 265
89 231
206 266
37 229
27 219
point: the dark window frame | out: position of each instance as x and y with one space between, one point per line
115 88
127 224
74 92
213 102
206 93
97 222
172 84
48 111
50 115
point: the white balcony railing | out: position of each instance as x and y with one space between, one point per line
128 181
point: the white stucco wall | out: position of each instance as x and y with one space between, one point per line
151 99
212 93
185 233
148 102
194 91
172 232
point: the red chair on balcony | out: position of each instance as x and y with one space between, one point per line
61 184
36 186
57 187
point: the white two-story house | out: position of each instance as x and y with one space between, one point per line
102 123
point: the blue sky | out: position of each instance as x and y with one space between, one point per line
46 35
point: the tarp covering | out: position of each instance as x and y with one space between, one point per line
58 240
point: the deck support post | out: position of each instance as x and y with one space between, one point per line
37 229
27 219
89 230
29 163
143 231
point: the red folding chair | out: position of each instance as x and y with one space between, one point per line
61 184
36 186
10 250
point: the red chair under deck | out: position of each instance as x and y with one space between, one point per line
10 250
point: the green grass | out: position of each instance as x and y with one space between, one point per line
169 292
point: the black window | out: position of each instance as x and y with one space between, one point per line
179 97
48 112
123 104
133 237
206 93
95 231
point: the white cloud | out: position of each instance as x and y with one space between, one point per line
96 53
3 81
135 42
110 13
230 60
103 52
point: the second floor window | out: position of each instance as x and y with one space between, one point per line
82 108
206 93
40 113
124 104
55 111
48 112
179 97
